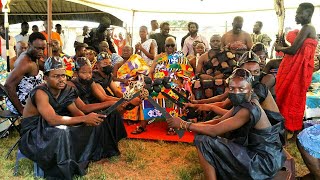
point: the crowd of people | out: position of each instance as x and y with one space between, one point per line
245 104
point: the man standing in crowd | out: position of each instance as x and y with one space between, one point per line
35 28
62 36
146 48
26 74
99 34
257 36
154 27
85 34
295 71
162 36
54 35
3 42
21 47
23 36
237 39
194 36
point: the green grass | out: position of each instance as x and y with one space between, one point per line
138 160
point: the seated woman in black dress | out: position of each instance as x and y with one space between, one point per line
253 149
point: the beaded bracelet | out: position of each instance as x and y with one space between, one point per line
188 124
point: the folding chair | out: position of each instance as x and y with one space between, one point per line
8 116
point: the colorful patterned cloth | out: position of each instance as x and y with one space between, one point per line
70 68
130 70
3 77
177 67
132 67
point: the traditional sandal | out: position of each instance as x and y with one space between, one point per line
139 130
171 132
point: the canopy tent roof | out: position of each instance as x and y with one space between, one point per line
123 8
35 10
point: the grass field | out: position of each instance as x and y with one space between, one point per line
138 160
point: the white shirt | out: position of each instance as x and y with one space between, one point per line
80 38
20 37
188 44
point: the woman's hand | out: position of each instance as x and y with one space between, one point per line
191 105
174 122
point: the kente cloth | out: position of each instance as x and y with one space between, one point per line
173 65
309 139
177 67
134 66
250 154
146 45
23 89
130 70
70 68
65 151
293 79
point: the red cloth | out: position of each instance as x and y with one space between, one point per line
293 79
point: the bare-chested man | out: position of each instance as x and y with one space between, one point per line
26 74
295 72
237 39
20 47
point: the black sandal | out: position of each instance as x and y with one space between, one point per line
139 130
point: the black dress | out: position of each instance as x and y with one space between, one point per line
64 151
115 121
249 154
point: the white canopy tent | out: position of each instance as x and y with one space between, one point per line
207 13
178 9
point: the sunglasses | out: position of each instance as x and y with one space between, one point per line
170 45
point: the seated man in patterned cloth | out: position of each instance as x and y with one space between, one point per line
175 65
253 150
69 138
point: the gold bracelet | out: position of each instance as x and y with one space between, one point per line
185 125
181 124
188 126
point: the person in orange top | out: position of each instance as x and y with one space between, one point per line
54 35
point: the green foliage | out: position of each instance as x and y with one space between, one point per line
179 25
